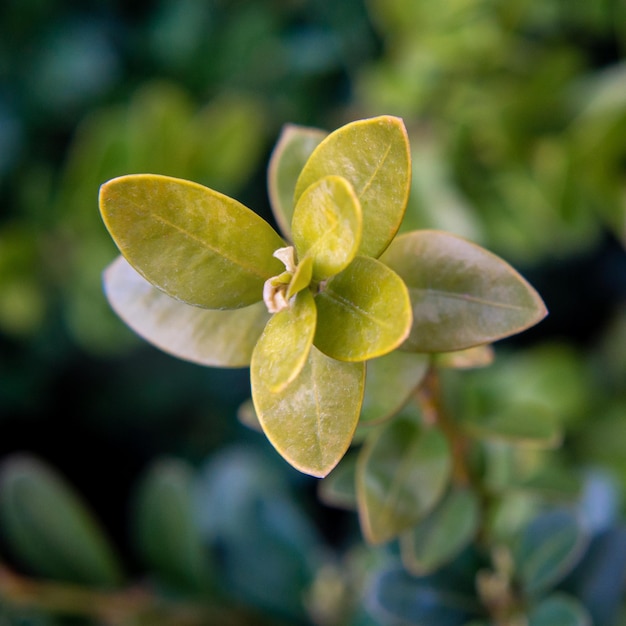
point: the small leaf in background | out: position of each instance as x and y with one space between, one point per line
470 358
227 140
443 534
462 295
194 243
598 578
311 422
204 336
363 313
548 549
338 489
327 225
165 531
373 155
389 383
294 147
283 348
398 599
49 529
268 547
246 414
559 609
402 474
518 425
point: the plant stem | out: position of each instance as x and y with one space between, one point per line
123 607
430 400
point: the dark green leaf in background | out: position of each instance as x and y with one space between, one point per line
399 599
548 549
389 383
402 474
439 537
518 425
559 609
165 531
49 529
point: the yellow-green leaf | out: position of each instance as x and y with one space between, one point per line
439 537
282 349
462 295
373 155
389 382
301 278
363 312
327 225
196 244
204 336
311 421
402 474
294 147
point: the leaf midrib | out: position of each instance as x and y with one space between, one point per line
470 299
203 243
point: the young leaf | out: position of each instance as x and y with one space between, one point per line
389 382
311 421
401 475
203 336
282 349
327 226
194 243
442 535
165 531
364 312
548 549
294 147
373 155
462 295
49 528
301 278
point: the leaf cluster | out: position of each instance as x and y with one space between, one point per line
207 279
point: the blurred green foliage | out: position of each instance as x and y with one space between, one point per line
517 115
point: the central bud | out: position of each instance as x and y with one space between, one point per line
275 289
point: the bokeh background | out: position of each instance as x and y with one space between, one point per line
516 111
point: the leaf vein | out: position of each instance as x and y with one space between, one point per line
251 269
378 167
469 298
